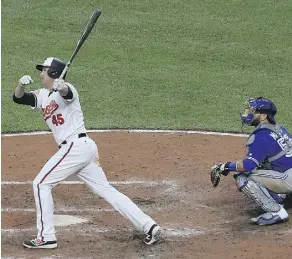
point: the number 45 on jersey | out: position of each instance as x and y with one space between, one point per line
57 119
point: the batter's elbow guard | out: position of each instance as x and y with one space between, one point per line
15 99
27 99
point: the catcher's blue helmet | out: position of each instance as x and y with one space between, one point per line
260 105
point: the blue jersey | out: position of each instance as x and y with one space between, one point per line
265 149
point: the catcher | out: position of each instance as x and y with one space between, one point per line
265 174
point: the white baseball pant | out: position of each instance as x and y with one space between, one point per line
79 157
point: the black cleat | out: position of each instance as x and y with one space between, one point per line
153 235
37 243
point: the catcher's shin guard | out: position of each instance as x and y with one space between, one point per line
257 193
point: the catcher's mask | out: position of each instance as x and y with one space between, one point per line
258 105
56 67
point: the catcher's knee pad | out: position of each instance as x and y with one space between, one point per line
257 193
241 181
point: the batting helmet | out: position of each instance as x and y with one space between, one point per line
260 105
56 67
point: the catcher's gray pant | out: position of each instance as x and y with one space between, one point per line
273 180
254 186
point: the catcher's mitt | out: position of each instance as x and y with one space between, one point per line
217 171
216 175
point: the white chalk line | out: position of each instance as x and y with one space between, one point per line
30 182
45 257
136 131
171 186
58 210
167 232
129 182
20 230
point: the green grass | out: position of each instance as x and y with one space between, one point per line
153 64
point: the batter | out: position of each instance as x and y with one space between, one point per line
77 154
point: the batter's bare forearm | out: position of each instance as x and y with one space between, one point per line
19 91
23 82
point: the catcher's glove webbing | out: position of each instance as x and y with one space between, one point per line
216 172
215 175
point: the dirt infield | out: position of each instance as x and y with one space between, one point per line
166 174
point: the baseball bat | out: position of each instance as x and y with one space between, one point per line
90 24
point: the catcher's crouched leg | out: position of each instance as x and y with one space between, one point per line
275 212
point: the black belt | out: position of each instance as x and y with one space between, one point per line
81 135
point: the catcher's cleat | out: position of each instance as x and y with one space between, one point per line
270 218
37 243
153 235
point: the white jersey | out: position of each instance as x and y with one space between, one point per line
63 116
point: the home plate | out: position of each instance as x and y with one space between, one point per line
66 220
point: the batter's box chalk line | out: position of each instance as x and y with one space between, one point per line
167 232
170 185
58 210
144 183
45 257
68 210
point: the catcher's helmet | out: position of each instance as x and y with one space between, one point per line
56 67
260 105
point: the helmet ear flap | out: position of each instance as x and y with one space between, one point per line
52 73
56 72
271 119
